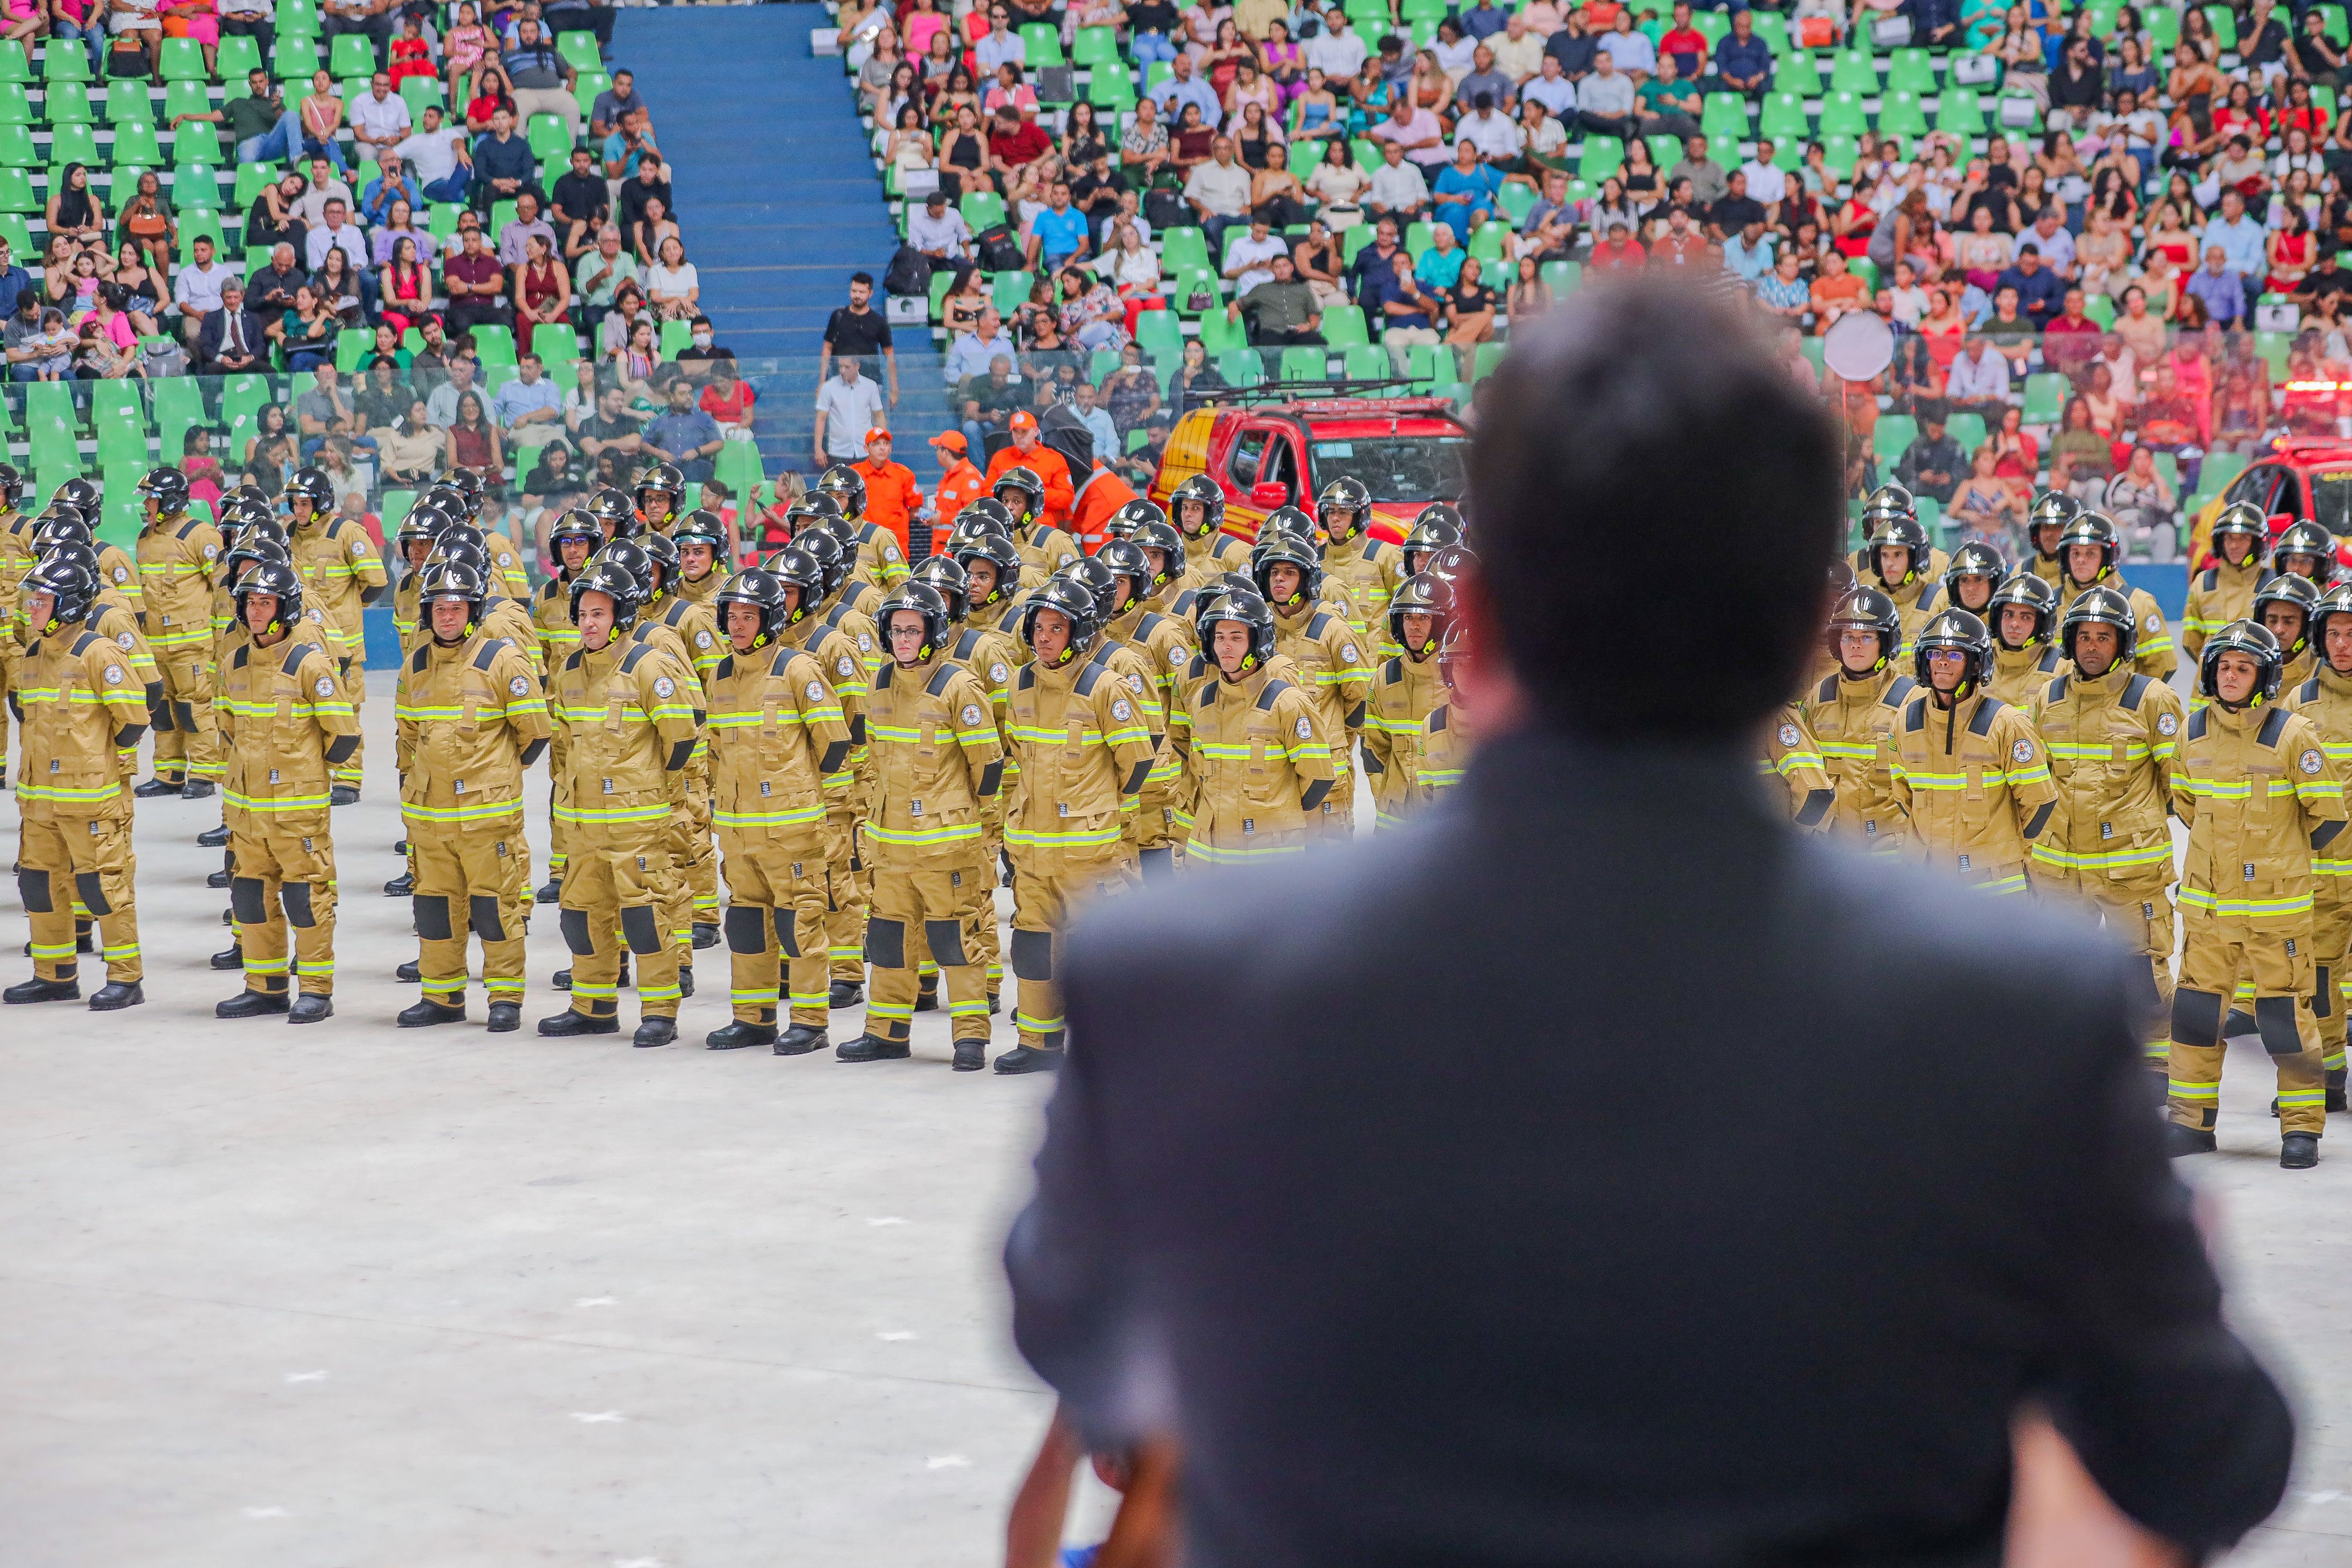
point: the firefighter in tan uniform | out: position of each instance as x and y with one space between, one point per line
1163 645
2224 592
775 730
2325 700
2282 607
81 500
82 709
1967 769
2045 524
1443 750
1256 746
461 493
802 576
655 491
2252 783
473 719
695 917
2111 734
1084 752
2090 548
2306 550
701 540
2025 657
177 556
1137 667
17 557
1899 559
1197 508
852 884
285 721
573 538
631 710
1044 549
1882 507
1851 713
1789 756
937 760
1368 569
341 576
991 656
1405 692
1332 666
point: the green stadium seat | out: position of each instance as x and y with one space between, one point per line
1723 113
1796 72
501 215
1901 114
201 223
1782 117
16 104
981 209
1893 435
186 98
179 406
293 57
183 60
1967 430
1561 276
1220 334
1042 45
1161 332
495 344
236 58
15 65
2046 394
579 49
1096 47
352 345
554 343
19 233
251 178
2225 25
351 55
1913 71
1010 290
1180 247
1600 157
16 192
1713 25
16 148
585 86
1841 114
136 147
1855 71
675 337
419 92
127 104
1960 111
1114 90
1840 153
1486 245
195 145
64 62
1366 361
1489 356
195 186
441 222
549 136
1240 366
243 395
1420 237
1304 363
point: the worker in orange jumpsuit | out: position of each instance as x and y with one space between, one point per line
1027 451
1103 494
891 493
960 483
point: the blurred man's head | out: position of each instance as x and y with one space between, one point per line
1648 374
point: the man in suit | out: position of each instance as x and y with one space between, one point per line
232 341
1422 1264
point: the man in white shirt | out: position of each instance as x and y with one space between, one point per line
379 117
848 406
1978 382
2056 245
939 232
1248 259
311 204
196 291
336 231
1338 51
1398 189
1550 88
996 45
1095 420
1767 183
1219 191
1495 135
439 157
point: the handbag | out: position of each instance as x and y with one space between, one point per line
1976 70
1890 32
147 225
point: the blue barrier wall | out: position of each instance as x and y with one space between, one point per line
2166 583
383 639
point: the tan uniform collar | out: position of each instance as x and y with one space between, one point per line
2329 681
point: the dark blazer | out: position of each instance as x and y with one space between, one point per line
1598 1172
214 332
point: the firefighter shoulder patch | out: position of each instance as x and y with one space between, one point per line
114 675
123 574
1119 709
1348 652
1787 734
815 692
2022 751
998 673
846 664
1306 729
2309 761
1176 654
126 640
325 688
971 713
664 686
211 551
865 643
2154 623
702 639
2166 723
519 686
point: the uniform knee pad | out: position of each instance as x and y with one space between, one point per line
33 887
2274 1017
245 900
184 714
576 935
2323 1000
2197 1017
296 897
1032 955
747 928
159 715
433 917
946 939
787 934
482 914
641 929
91 889
886 943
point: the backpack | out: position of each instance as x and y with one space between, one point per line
908 276
999 251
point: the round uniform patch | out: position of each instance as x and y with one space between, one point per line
319 617
1306 730
114 675
1348 652
505 561
1064 558
123 574
865 643
702 639
211 551
999 674
1176 654
1119 709
890 552
971 713
2166 724
2154 623
815 692
2022 751
847 664
664 686
325 688
2309 761
359 547
519 686
1787 734
127 640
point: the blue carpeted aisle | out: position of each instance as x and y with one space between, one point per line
779 202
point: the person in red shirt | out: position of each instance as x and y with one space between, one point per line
891 495
727 397
1014 144
959 485
2071 341
1686 43
1027 451
1621 249
1103 493
1681 245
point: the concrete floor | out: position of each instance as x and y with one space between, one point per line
351 1295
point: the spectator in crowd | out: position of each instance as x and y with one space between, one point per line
232 339
858 328
600 276
378 117
1398 190
579 204
439 156
848 405
528 409
1281 310
989 400
475 285
1605 100
196 292
542 80
391 187
608 429
1219 192
621 97
1978 380
688 437
1933 464
504 167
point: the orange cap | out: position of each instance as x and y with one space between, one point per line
1024 420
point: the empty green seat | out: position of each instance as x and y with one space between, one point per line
135 146
1561 276
549 136
16 104
1855 71
1366 361
1221 335
16 192
1961 112
62 61
1158 333
1108 89
68 103
981 209
1041 45
1796 72
1892 436
237 57
1901 114
1304 363
201 223
1912 70
554 342
1724 113
293 57
196 186
13 64
579 49
16 148
1240 366
675 338
183 60
1841 114
1096 47
352 345
186 98
1343 326
251 178
196 145
127 104
420 92
1782 117
495 344
351 54
2045 395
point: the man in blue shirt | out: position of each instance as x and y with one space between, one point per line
2243 242
1183 88
2220 291
14 283
504 166
2040 292
685 436
1742 60
1057 235
1484 19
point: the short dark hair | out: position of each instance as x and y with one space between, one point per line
865 277
1629 406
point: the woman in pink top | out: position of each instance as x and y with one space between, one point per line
919 22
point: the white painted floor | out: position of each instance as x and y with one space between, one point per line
351 1297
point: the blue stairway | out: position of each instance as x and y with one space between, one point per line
780 202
